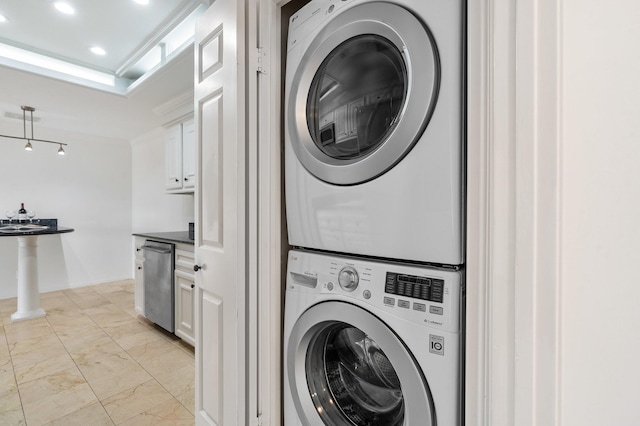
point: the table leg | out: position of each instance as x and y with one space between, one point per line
28 291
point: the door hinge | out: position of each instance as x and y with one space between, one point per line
262 60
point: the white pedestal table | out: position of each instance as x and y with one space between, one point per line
28 289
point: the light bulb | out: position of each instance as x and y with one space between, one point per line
28 146
61 150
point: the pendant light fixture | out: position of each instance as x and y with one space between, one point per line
28 146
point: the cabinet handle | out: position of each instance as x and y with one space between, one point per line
193 285
137 249
139 267
196 268
177 180
186 179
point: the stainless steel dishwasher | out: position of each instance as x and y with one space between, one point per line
158 284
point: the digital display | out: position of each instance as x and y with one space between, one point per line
423 288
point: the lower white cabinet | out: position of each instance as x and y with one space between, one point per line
184 281
139 276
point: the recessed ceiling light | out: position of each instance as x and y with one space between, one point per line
64 7
3 18
98 50
142 1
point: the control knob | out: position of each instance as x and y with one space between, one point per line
348 278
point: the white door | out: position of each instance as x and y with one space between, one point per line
220 215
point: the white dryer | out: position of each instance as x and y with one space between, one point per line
370 343
374 128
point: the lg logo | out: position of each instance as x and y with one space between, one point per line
436 344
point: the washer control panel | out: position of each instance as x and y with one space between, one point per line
430 289
420 294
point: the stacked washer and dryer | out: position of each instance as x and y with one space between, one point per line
374 178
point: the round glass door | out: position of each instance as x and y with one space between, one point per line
350 376
362 94
346 367
356 97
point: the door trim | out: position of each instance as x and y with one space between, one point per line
513 213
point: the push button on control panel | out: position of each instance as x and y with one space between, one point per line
435 310
404 304
390 301
420 307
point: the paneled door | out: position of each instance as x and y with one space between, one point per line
220 246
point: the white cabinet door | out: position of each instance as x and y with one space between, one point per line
188 155
220 397
184 287
173 157
184 293
138 286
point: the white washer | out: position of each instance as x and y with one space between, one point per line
370 343
374 128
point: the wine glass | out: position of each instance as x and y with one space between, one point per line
10 214
31 214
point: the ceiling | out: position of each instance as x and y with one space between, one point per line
127 31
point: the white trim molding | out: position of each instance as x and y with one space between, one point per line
513 323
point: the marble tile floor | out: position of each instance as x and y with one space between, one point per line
92 360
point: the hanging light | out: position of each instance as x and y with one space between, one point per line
28 146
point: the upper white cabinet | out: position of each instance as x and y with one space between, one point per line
189 155
180 159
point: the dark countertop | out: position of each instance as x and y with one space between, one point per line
172 237
24 229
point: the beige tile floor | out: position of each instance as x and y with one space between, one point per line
92 360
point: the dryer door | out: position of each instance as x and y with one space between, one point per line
363 93
346 367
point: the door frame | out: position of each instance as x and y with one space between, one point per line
514 98
513 212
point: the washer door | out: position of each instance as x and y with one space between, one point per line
346 367
363 93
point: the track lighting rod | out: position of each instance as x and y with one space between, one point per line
28 146
32 139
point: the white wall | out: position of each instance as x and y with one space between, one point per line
153 209
89 190
600 201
